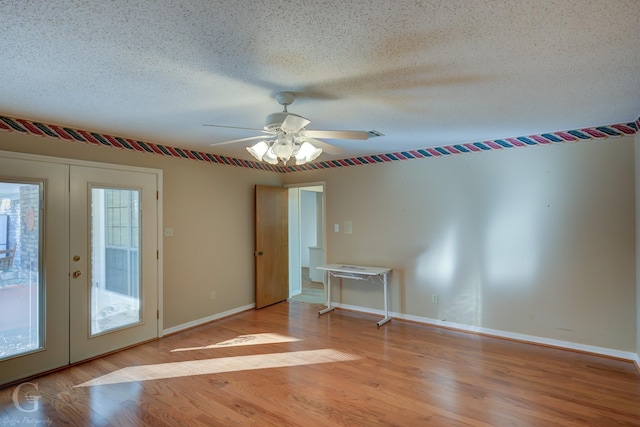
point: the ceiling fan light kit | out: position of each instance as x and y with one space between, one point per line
283 149
287 137
307 153
259 151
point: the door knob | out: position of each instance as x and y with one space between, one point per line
77 274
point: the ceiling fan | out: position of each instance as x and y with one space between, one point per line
286 136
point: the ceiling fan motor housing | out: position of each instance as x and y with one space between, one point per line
274 121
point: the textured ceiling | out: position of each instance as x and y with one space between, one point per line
423 73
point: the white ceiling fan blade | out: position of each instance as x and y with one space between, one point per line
337 134
234 127
251 138
293 123
326 148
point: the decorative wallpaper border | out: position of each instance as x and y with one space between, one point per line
93 138
25 126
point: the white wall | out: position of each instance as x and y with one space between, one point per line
536 241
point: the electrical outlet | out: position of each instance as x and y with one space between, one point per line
213 295
434 298
168 232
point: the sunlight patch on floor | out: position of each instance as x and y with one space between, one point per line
220 365
253 339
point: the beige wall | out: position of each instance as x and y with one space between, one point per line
210 208
536 241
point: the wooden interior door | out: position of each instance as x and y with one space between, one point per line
271 245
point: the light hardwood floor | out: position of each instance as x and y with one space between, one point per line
284 365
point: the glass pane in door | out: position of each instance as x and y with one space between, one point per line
21 290
115 259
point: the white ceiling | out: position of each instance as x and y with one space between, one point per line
424 73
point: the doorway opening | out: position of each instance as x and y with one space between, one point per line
306 243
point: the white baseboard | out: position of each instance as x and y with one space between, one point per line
626 355
207 319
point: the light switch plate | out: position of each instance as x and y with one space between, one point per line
348 227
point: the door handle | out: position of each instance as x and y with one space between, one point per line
77 274
258 253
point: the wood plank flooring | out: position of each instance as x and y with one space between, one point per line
285 366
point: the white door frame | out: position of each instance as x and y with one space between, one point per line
294 232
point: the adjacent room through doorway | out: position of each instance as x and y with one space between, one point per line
306 243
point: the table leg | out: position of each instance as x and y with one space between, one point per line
386 303
329 308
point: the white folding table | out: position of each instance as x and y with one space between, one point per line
356 272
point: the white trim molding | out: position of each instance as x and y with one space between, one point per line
202 321
618 354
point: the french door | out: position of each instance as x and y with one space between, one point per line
83 280
34 290
113 276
